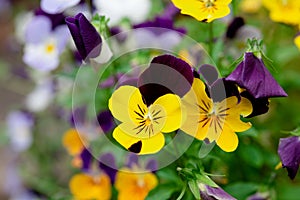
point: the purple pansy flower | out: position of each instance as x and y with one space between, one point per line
289 152
108 164
56 19
213 193
86 38
159 33
87 159
106 121
166 74
252 75
57 6
133 162
44 45
170 11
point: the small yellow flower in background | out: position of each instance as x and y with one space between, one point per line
285 11
134 186
250 6
204 10
87 187
297 41
74 142
142 126
216 121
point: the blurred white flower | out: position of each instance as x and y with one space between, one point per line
57 6
135 10
40 98
21 22
19 128
105 54
44 45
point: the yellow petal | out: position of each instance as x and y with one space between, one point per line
84 186
228 140
124 101
171 105
134 185
138 145
74 142
297 41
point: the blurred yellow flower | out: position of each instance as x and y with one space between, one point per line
85 186
204 10
285 11
134 186
74 142
142 126
297 41
250 6
215 121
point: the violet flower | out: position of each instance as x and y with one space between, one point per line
166 74
86 38
106 121
108 164
252 75
289 153
57 6
213 193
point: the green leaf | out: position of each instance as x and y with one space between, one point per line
295 132
241 190
206 180
162 191
194 188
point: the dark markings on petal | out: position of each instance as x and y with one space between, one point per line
222 115
152 130
223 110
219 124
142 110
139 114
206 106
154 114
139 126
136 147
201 108
156 118
204 20
205 122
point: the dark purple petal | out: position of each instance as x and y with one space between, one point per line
86 38
222 89
162 23
216 193
118 33
209 73
234 26
152 165
259 106
259 196
87 159
108 165
252 75
170 11
106 121
56 19
289 153
166 74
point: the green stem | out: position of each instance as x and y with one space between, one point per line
182 192
211 38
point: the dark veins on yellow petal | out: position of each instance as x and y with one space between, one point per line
146 120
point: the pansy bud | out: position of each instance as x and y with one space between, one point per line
86 38
252 75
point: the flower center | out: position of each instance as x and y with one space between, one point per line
147 121
50 48
208 3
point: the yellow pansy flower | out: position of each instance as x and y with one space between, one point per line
285 11
142 126
134 186
74 142
86 186
204 10
250 6
215 121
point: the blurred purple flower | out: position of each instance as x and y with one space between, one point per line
213 193
259 196
170 11
19 130
57 6
133 162
108 164
78 116
164 24
166 74
56 19
234 26
252 75
86 38
44 45
106 121
289 153
87 159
